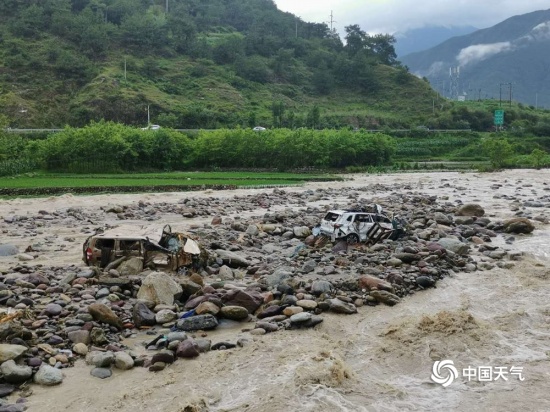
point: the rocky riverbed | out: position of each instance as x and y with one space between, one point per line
268 279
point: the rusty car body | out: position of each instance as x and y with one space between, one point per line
158 249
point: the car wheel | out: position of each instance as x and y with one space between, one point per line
352 239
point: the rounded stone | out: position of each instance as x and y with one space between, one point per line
53 309
80 349
300 317
101 373
157 367
234 312
123 361
307 304
292 310
165 316
164 356
48 376
14 373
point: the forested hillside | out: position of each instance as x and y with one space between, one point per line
196 64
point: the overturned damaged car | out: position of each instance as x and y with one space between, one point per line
360 225
159 249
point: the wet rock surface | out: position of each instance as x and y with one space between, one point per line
264 273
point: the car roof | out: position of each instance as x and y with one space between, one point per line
132 232
341 212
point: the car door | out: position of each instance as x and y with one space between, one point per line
363 222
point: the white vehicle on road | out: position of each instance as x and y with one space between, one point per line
151 127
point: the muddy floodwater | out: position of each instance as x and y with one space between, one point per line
379 359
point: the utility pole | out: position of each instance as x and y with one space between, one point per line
509 90
166 6
296 26
125 69
454 76
331 21
536 101
148 116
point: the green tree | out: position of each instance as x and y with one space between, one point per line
283 63
498 150
252 119
355 39
278 111
30 23
323 81
314 117
183 31
382 46
538 158
229 50
148 31
252 68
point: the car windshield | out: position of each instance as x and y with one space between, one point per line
332 217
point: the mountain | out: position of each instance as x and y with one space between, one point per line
423 38
195 64
511 57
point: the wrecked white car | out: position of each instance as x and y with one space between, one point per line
360 225
158 249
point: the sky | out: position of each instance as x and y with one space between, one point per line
392 16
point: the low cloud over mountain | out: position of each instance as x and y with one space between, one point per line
514 51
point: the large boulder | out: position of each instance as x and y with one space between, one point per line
131 267
48 376
207 308
14 373
123 361
189 287
234 312
383 296
143 316
443 219
8 351
226 273
454 245
470 209
338 306
251 300
103 313
373 283
160 288
187 349
519 225
200 322
8 250
301 232
319 287
278 276
232 259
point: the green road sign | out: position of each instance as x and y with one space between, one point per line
499 117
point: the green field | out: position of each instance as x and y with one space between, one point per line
36 184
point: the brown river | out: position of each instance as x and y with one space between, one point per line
380 359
